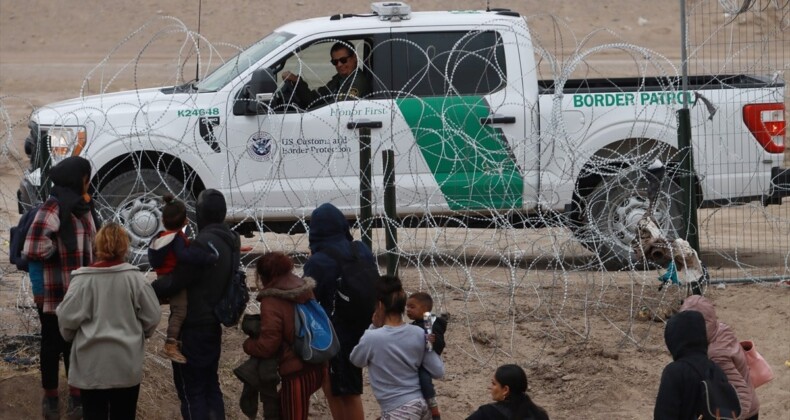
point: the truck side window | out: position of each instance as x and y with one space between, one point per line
323 73
449 63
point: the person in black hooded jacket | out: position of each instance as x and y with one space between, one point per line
679 390
197 381
330 229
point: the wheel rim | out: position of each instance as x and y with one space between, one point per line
142 219
134 200
612 217
626 216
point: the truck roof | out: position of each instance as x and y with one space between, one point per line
468 18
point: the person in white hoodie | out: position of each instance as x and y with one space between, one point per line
108 312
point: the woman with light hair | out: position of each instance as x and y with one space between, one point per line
107 313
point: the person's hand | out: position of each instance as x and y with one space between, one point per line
378 316
290 77
431 338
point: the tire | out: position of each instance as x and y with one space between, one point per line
613 209
134 199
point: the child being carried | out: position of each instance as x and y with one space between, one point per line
168 249
418 306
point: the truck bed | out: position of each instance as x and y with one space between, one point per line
633 84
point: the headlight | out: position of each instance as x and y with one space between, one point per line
65 142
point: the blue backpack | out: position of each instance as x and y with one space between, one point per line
315 340
18 235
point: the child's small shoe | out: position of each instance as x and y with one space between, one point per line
434 406
171 351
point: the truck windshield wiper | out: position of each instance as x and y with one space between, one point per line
190 86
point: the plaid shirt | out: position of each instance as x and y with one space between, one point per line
44 244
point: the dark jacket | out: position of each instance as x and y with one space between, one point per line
725 350
169 248
329 229
206 285
438 329
339 88
679 390
277 321
502 410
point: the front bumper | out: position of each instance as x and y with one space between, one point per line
28 193
780 186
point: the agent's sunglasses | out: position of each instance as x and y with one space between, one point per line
341 60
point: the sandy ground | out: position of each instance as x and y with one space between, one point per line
573 330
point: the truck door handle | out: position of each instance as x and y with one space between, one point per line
353 125
497 119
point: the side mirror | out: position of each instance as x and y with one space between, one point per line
258 91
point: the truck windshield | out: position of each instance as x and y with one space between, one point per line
235 66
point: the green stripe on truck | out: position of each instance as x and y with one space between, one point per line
470 161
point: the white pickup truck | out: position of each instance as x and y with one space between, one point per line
476 136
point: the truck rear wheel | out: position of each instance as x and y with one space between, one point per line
613 209
134 200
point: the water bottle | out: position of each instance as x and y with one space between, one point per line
428 324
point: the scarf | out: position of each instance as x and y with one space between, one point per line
68 177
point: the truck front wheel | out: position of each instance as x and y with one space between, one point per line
134 200
613 208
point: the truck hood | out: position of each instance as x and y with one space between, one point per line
79 110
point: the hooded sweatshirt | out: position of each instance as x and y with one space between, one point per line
329 229
725 350
206 285
679 390
277 333
107 313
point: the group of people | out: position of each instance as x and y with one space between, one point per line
96 310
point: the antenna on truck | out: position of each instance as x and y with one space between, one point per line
197 55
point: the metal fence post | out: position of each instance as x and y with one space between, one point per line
390 225
690 204
365 175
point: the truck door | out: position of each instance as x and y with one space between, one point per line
459 113
300 154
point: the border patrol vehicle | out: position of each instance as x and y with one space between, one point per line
456 96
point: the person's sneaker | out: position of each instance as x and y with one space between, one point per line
74 411
49 408
171 351
784 283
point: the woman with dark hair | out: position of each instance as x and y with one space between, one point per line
393 352
60 241
280 291
108 312
509 391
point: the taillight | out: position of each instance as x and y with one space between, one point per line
767 124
